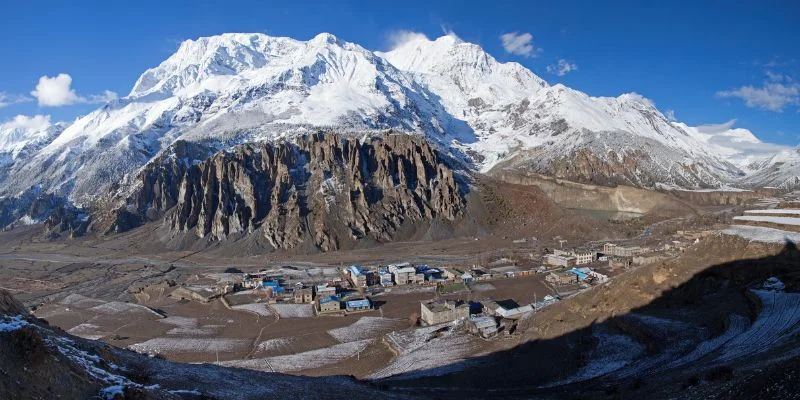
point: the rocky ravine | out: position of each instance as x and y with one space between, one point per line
326 189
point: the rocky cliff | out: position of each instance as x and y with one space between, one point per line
323 188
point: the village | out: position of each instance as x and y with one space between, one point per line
454 291
373 316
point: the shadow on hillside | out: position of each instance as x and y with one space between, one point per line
704 303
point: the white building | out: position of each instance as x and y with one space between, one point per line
405 274
561 261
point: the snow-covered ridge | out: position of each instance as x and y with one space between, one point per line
241 87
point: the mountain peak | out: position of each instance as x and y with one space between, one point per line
325 37
235 55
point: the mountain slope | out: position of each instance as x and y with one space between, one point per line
41 362
226 90
512 111
323 191
781 170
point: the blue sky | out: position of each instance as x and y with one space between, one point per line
708 63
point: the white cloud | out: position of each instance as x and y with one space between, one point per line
771 96
35 122
105 97
670 114
774 76
401 37
562 68
778 91
9 99
449 32
57 91
520 44
717 128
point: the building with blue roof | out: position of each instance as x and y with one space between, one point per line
581 275
358 275
330 303
358 305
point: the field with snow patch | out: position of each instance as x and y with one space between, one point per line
258 308
302 361
188 345
364 328
793 221
775 211
762 234
426 351
293 310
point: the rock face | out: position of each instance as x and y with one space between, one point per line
325 188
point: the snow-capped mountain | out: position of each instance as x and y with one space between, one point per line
235 88
23 136
781 170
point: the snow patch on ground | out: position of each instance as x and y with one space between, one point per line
737 324
275 344
258 308
679 338
780 211
612 352
185 326
91 363
189 345
86 331
792 221
293 310
302 361
762 234
182 322
778 322
80 301
364 328
10 324
425 351
118 307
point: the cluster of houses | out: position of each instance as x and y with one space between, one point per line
576 267
327 297
398 274
486 318
408 274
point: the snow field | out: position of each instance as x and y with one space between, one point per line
189 345
118 308
274 344
777 211
184 326
793 221
680 337
777 322
258 308
422 351
302 361
612 352
293 310
79 301
762 234
737 324
86 331
364 328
